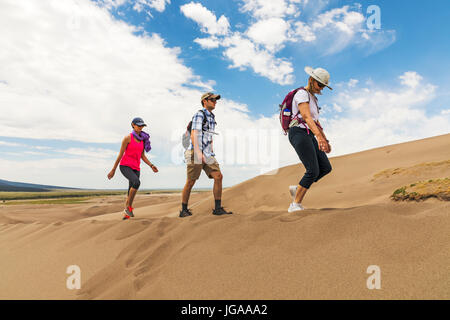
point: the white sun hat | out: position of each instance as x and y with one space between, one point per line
319 74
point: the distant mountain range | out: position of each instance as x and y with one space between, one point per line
27 187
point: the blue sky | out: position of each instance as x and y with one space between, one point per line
74 73
420 33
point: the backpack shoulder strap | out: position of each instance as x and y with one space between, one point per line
205 120
307 92
315 100
309 99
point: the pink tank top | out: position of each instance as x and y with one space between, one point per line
132 156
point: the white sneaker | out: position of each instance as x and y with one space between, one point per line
293 192
295 207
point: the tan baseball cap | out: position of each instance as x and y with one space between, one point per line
210 95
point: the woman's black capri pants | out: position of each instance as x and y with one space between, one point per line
132 176
315 161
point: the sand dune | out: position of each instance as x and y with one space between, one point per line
259 252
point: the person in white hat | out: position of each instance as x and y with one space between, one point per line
307 137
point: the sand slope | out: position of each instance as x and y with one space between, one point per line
260 252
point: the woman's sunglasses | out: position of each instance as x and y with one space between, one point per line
321 85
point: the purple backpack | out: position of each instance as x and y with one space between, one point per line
286 110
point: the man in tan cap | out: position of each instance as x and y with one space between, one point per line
200 155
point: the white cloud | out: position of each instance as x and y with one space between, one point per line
112 3
84 83
271 33
264 9
304 31
206 19
410 79
337 29
42 148
87 167
340 18
10 144
159 5
208 43
138 5
22 145
90 152
33 153
275 23
86 80
373 117
244 53
337 107
352 83
82 75
82 173
447 111
334 30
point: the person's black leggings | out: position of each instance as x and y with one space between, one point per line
132 176
315 161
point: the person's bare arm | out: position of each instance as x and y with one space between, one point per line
195 142
320 129
323 133
125 142
306 116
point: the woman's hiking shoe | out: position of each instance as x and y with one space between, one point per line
129 211
293 192
185 213
295 207
126 217
221 211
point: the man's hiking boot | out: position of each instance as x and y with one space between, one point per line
185 213
220 211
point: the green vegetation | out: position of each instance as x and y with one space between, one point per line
400 191
433 188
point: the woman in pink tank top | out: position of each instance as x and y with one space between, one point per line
132 151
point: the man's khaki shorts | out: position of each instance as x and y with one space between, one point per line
194 170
